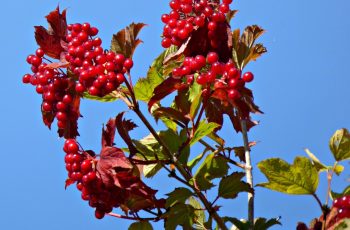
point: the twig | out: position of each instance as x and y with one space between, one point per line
131 218
249 175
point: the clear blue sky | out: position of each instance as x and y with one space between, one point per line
302 85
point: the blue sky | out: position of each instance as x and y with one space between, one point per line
302 85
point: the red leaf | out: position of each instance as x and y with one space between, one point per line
108 134
48 118
50 40
50 43
168 86
112 160
58 23
68 183
126 40
124 127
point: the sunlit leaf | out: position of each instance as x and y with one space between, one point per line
340 145
299 178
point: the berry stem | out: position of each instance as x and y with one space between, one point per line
249 174
329 179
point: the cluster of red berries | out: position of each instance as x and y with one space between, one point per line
100 72
343 205
81 167
186 15
210 71
53 86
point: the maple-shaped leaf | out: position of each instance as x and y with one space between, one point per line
50 43
244 47
108 133
50 40
216 109
126 40
112 160
124 127
168 86
57 23
171 114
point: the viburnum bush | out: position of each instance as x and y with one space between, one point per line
202 71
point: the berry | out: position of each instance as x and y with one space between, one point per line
212 57
233 94
248 77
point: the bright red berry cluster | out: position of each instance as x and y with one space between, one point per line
81 167
54 86
187 15
211 72
100 72
343 205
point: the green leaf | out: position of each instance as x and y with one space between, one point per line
299 178
215 137
345 192
214 166
179 214
143 225
344 224
319 166
145 86
126 40
151 170
199 212
179 195
158 62
194 91
203 130
111 97
264 224
231 185
195 160
340 145
338 169
171 114
149 147
237 224
195 106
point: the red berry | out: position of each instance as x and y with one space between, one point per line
86 166
128 63
233 94
26 78
166 42
165 18
248 77
40 52
212 26
212 57
99 214
93 31
61 116
201 79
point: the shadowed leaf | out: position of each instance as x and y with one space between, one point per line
231 185
124 127
143 225
126 40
